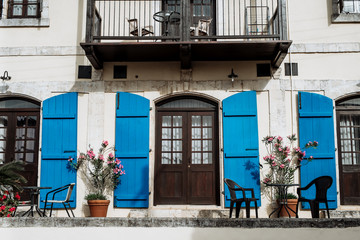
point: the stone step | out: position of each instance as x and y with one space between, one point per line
180 213
342 214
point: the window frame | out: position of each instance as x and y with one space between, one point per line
24 4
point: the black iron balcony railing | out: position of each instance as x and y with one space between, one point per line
185 20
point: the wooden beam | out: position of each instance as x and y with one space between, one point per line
92 56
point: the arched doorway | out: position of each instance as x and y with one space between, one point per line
348 134
19 134
186 159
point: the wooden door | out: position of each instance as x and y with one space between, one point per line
203 9
19 140
186 167
349 156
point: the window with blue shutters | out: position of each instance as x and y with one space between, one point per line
59 142
241 142
316 123
132 148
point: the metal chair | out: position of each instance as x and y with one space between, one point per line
65 202
322 184
233 187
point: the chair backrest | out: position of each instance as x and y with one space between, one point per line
204 26
133 26
70 189
232 186
322 185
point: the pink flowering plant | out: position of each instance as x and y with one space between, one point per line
101 171
283 160
8 203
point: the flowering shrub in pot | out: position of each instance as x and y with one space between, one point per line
8 203
100 171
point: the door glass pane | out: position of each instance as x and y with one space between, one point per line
19 146
177 146
196 158
196 133
177 133
356 158
32 8
2 158
2 133
3 121
166 133
196 145
17 8
32 121
207 133
19 156
30 133
166 121
20 133
30 145
177 158
207 121
346 159
166 146
196 121
177 121
2 146
29 157
207 145
166 158
21 121
207 158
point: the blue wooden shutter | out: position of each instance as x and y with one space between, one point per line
58 143
241 143
132 148
316 123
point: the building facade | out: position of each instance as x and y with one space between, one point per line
184 90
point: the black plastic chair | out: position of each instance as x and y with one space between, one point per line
65 202
322 185
233 187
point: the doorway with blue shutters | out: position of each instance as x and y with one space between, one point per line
187 162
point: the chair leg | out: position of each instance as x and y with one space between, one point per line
231 208
256 209
327 209
247 208
66 209
297 209
238 208
52 204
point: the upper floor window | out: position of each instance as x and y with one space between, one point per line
23 8
346 11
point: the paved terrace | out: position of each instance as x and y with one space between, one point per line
178 228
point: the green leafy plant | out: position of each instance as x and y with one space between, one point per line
101 175
10 178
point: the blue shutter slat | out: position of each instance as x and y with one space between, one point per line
59 142
132 148
316 123
240 133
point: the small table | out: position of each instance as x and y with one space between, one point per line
34 196
167 17
283 190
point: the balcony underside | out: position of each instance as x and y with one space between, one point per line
186 52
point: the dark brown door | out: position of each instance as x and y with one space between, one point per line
19 139
205 10
349 156
186 165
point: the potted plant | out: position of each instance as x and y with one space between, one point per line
101 173
283 160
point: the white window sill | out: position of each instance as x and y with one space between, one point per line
25 22
346 18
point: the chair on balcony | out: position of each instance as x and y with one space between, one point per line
322 184
134 29
66 202
202 29
233 187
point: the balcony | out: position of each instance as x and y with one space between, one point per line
185 31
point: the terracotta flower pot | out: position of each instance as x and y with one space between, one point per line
291 203
98 208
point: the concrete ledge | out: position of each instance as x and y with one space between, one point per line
20 222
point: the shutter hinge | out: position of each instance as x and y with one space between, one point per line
299 100
40 149
150 108
222 149
150 150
